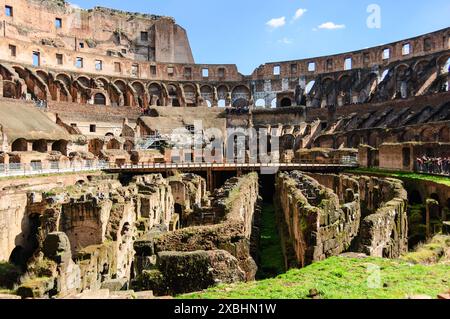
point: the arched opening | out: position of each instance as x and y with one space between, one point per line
60 146
155 94
173 96
208 103
309 86
240 103
113 145
240 96
273 104
190 95
99 99
95 146
40 146
207 94
222 103
260 103
286 102
444 134
19 145
9 89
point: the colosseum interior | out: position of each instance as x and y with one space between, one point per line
129 171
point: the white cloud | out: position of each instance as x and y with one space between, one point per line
299 13
276 22
286 41
331 26
74 6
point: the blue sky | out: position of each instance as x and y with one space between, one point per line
251 32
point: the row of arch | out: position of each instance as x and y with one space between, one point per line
404 79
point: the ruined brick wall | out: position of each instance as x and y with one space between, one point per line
97 31
315 222
15 207
384 226
323 215
195 249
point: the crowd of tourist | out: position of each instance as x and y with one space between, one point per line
434 165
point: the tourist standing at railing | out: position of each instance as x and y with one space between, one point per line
438 165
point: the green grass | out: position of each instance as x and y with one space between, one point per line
271 263
342 278
414 176
432 252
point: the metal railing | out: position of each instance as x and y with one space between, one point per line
37 168
17 170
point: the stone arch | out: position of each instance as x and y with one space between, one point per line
60 146
95 146
84 81
428 134
345 84
34 84
287 142
174 96
155 92
65 78
286 102
40 146
207 93
407 136
10 89
222 92
260 103
139 87
328 91
124 92
19 145
444 134
420 66
113 144
43 75
240 96
190 94
99 99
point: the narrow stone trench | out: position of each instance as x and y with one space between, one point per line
271 259
271 263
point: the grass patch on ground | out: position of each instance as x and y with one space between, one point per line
271 255
434 251
342 278
415 176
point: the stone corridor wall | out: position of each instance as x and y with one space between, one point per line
315 223
87 231
384 228
326 215
228 242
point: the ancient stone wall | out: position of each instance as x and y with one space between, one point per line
234 208
384 226
315 222
323 215
88 230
